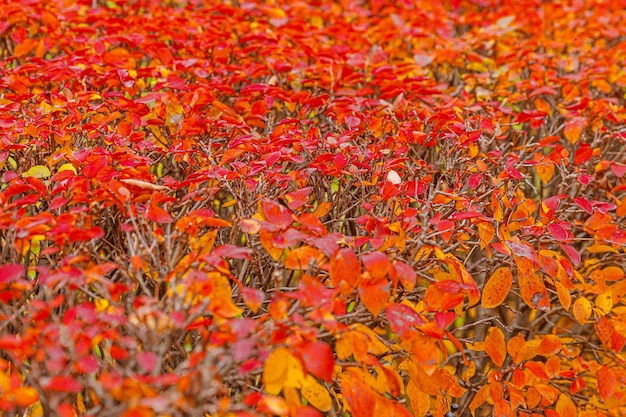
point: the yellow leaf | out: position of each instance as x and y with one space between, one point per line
565 406
275 370
317 22
38 171
221 296
316 394
581 310
292 397
204 244
67 167
295 372
604 302
477 66
469 372
497 288
598 248
36 410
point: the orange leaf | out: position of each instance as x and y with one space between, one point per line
25 396
565 298
544 168
253 298
358 395
581 310
479 399
495 346
573 129
352 343
502 408
420 401
486 232
375 295
517 348
550 345
267 240
394 381
345 271
606 382
533 396
497 288
323 209
604 302
565 406
553 366
377 264
537 369
303 258
613 273
24 48
534 291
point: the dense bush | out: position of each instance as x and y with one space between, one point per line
295 208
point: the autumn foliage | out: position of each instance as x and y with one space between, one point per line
312 208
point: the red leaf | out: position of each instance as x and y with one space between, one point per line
583 154
276 214
584 204
232 251
618 170
557 232
402 318
523 250
253 298
572 253
11 272
307 411
62 383
450 286
443 319
297 199
462 215
66 410
406 274
474 181
318 359
147 361
158 215
550 205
